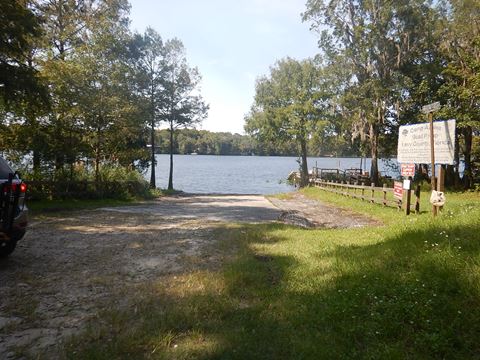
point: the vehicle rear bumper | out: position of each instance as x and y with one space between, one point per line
19 228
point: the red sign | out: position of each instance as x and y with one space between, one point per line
398 190
408 170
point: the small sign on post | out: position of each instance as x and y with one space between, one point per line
408 170
398 190
431 107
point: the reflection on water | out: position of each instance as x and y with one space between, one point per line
243 174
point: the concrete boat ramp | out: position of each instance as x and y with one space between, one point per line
294 209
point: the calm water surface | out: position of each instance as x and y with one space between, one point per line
240 174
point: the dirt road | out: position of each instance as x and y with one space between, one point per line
70 266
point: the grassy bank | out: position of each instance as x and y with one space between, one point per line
408 289
51 206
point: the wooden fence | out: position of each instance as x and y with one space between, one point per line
379 195
349 175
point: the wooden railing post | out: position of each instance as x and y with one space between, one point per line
384 194
417 199
357 189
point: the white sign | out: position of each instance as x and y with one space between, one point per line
414 143
431 107
406 184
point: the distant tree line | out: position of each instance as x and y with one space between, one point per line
79 91
203 142
379 63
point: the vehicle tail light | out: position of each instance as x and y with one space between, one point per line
13 187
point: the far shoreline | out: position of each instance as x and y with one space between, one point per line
286 156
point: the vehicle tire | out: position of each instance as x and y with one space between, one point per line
6 248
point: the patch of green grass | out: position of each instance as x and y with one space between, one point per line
408 289
51 206
163 192
281 196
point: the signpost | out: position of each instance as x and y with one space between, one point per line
430 108
432 142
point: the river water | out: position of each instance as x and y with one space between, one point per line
243 174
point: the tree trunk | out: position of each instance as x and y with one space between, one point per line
97 158
58 145
304 180
456 181
467 154
170 175
374 154
97 166
153 184
450 175
36 162
59 162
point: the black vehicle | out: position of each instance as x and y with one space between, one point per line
13 211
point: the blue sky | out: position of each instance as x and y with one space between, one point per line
231 43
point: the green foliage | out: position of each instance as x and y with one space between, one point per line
184 107
111 182
476 160
289 105
373 41
170 88
98 79
461 50
205 142
20 85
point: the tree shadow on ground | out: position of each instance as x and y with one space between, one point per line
413 295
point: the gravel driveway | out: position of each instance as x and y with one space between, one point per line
70 265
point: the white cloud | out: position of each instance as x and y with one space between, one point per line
225 117
277 7
232 43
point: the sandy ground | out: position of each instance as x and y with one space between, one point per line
70 266
301 211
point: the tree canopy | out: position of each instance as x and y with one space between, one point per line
19 80
288 105
104 87
380 62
